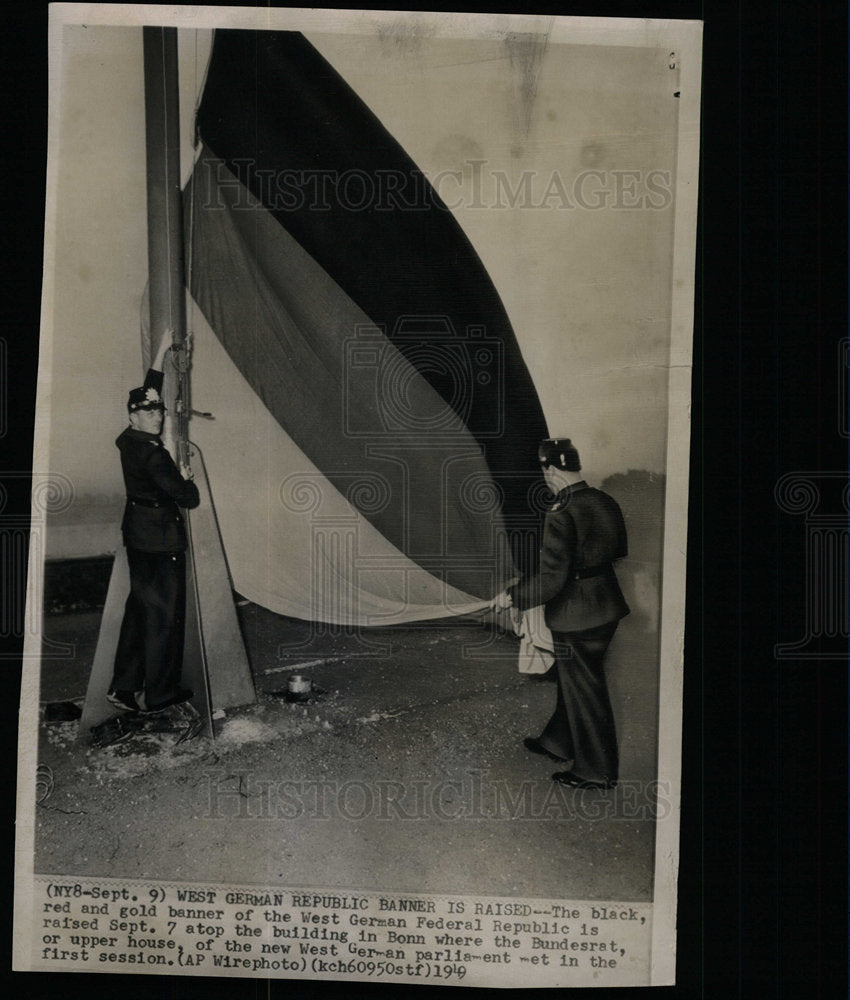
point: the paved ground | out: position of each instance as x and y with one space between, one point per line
408 774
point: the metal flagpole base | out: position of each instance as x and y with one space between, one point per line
97 709
216 629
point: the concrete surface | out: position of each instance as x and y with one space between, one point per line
407 774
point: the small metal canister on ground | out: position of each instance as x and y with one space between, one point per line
299 685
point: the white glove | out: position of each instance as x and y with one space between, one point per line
501 602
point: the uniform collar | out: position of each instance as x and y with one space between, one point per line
141 435
573 488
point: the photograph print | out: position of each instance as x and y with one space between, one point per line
360 493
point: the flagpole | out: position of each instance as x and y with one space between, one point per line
166 288
215 662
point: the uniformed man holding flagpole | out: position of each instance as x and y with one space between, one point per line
149 658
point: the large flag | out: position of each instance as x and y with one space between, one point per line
373 458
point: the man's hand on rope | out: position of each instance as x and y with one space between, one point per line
180 356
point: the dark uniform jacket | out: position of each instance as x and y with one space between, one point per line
583 533
155 490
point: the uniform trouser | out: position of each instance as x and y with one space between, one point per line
150 645
581 730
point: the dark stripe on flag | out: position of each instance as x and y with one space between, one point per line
291 332
300 139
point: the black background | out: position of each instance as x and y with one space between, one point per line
762 907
